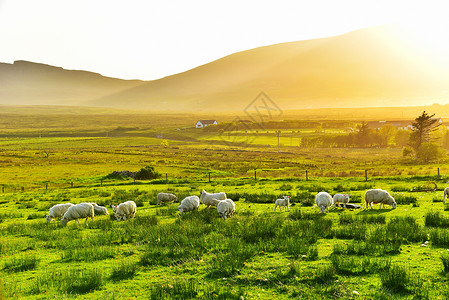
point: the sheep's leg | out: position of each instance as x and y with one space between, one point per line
275 208
344 205
380 206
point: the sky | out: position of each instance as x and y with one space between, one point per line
133 39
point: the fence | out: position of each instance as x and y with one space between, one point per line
306 175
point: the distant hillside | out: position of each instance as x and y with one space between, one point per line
27 83
373 67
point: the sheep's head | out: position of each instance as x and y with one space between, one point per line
64 221
223 215
393 204
322 208
181 210
48 218
114 208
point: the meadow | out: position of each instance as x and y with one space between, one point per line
257 254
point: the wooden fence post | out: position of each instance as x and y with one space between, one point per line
366 175
46 186
166 178
3 189
71 183
209 176
438 172
255 175
101 182
307 176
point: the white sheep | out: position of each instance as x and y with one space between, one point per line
323 200
100 210
188 204
341 198
57 211
79 211
226 208
379 196
207 198
166 198
445 193
124 210
284 202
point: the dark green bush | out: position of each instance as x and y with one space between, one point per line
147 173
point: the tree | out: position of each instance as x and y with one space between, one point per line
428 152
387 134
362 137
422 127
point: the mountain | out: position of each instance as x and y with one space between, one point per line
373 67
27 83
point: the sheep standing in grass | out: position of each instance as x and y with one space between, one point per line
323 200
100 210
166 198
379 196
445 193
188 204
208 198
79 211
226 208
57 211
341 198
125 210
284 202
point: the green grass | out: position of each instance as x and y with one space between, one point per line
257 253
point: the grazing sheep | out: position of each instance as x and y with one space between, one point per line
166 198
188 204
323 200
284 202
100 210
206 198
79 211
57 211
341 198
124 210
226 208
445 193
379 196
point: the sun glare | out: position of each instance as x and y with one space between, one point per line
432 35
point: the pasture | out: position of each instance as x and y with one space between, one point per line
256 254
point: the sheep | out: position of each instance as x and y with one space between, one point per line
166 198
57 211
285 202
226 208
379 196
341 198
79 211
124 210
323 200
445 193
188 204
206 198
100 210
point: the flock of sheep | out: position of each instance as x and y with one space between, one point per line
225 207
68 211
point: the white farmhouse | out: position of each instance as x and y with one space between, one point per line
204 123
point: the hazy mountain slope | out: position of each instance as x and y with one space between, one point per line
27 83
377 66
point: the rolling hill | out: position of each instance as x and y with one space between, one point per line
373 67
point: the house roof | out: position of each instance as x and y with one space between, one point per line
207 121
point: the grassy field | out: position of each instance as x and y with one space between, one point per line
257 254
